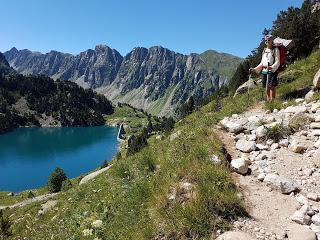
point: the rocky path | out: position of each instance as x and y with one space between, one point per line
278 179
30 200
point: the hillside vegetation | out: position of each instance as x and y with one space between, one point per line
41 101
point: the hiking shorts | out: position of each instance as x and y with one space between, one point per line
272 81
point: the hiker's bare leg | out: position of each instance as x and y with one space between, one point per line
273 93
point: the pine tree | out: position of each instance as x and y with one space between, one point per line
55 180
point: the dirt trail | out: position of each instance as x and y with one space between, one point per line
31 200
269 208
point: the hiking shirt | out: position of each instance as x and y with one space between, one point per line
271 56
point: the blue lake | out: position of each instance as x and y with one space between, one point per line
29 155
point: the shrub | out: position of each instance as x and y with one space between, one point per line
277 132
30 194
66 185
55 180
5 225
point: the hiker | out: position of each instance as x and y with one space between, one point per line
270 62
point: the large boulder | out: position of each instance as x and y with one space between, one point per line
316 80
233 126
49 205
250 84
235 236
285 185
246 146
295 109
297 232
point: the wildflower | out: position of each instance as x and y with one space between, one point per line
87 232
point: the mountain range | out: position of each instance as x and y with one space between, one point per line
155 79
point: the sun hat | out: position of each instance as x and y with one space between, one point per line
268 37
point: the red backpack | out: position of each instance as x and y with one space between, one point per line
283 56
283 45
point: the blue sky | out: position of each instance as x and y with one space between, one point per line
184 26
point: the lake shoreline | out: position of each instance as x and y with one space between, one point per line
93 145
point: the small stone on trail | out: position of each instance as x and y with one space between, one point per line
240 165
245 146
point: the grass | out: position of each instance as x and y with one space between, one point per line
133 199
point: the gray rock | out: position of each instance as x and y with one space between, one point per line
309 95
316 80
313 197
315 228
295 109
274 146
175 135
47 207
284 142
317 118
302 199
239 165
232 126
300 217
216 160
315 125
261 146
301 233
299 100
245 146
261 131
307 172
261 176
235 236
315 132
316 219
286 186
297 147
250 84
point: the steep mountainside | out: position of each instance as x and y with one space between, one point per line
155 79
40 101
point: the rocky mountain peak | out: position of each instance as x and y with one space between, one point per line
100 48
137 54
13 50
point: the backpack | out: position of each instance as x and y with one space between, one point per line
283 56
283 45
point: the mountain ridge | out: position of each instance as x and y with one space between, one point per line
150 71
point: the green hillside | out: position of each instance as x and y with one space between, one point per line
224 64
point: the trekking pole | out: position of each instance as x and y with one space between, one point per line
249 84
267 81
